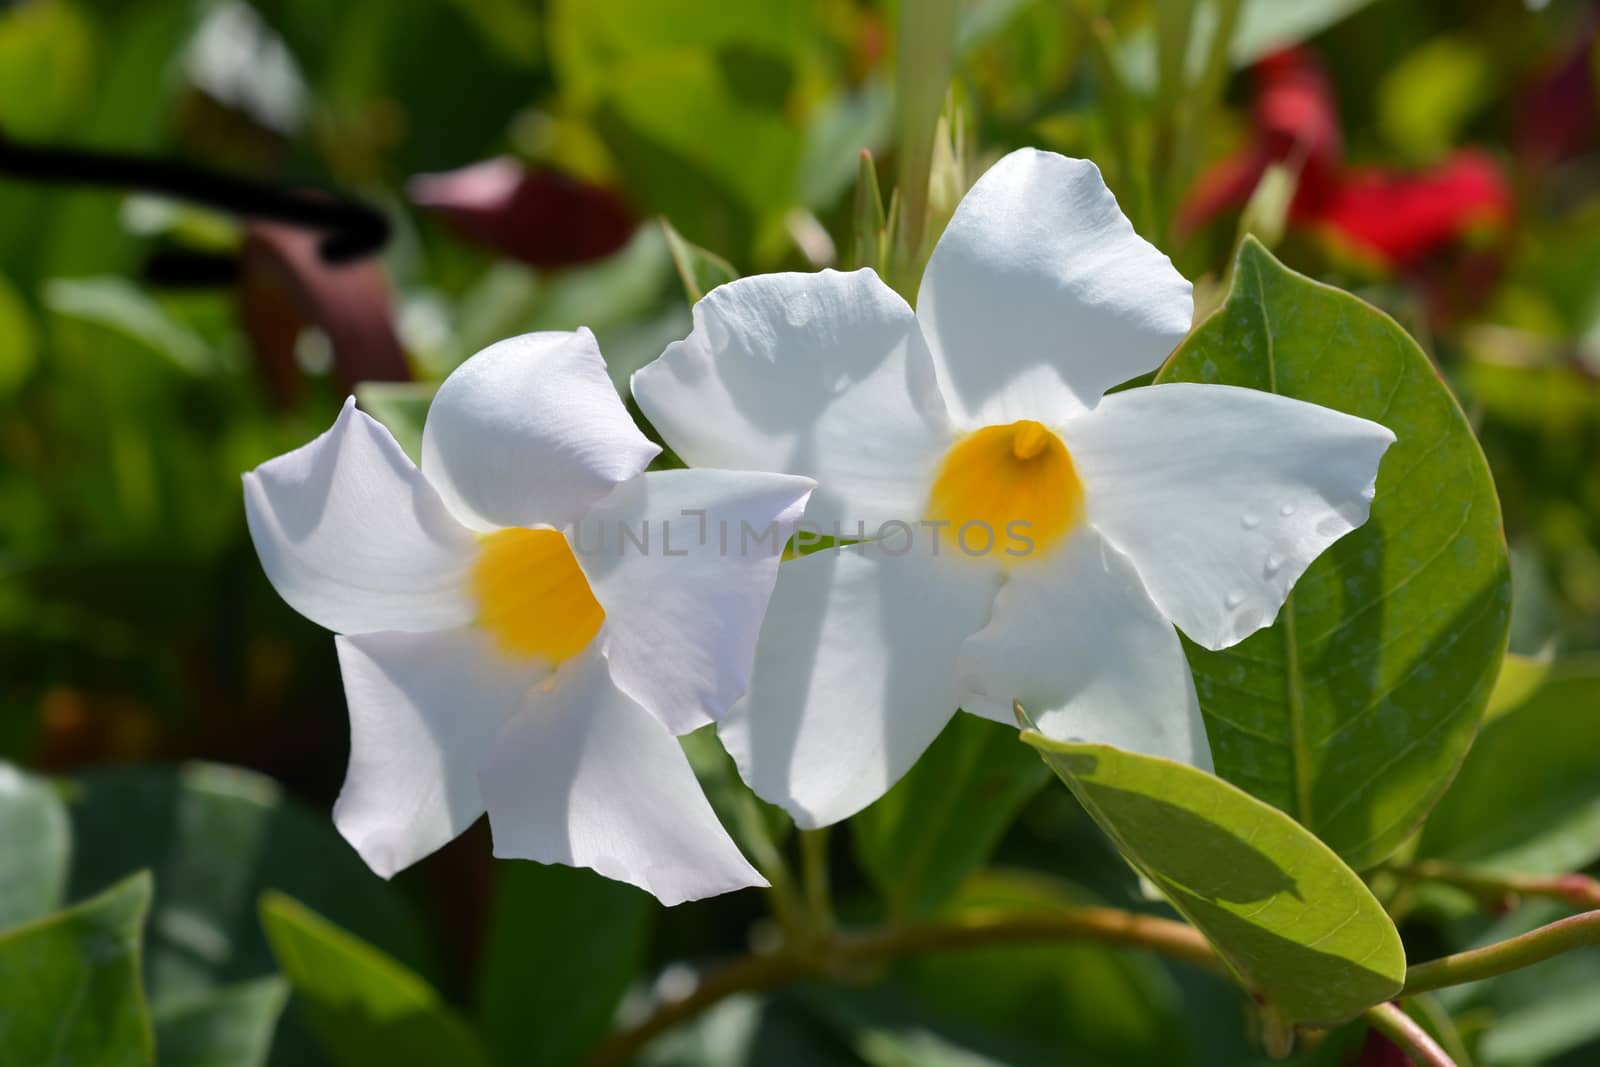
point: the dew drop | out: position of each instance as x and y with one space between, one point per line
1274 564
1249 520
1233 599
1286 510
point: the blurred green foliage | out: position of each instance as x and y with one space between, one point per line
137 631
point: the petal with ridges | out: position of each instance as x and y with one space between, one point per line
586 777
823 375
855 674
683 562
530 432
1040 296
424 712
1077 641
354 538
1223 496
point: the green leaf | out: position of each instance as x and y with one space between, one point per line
47 68
38 837
18 340
402 407
218 837
700 271
1520 677
1077 1003
229 1027
69 985
1296 925
943 819
1527 800
567 940
1354 709
1264 27
366 1007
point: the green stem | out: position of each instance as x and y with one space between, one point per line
925 59
841 951
1535 946
814 878
1578 890
1405 1031
787 905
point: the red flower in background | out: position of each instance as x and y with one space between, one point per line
1396 220
539 216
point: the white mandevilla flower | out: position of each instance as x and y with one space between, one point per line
1042 537
506 643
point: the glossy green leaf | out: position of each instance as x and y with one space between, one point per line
1527 799
1296 925
364 1006
699 270
1354 709
568 940
38 849
70 992
228 1027
943 819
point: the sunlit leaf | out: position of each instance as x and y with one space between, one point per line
46 67
1294 923
1527 799
1352 711
567 940
69 985
38 847
944 818
364 1006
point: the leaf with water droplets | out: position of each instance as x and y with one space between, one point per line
1353 711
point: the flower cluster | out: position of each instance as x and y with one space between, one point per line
500 653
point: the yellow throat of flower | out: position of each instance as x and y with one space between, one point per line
533 597
1017 482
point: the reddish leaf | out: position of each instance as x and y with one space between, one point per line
539 216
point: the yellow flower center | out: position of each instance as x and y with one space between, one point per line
1012 488
532 595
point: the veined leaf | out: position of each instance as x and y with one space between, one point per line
943 819
1354 709
1527 799
38 837
1295 924
366 1008
69 985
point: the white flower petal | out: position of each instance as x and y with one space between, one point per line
530 432
1076 640
683 563
424 712
1039 295
823 375
586 777
855 675
1223 496
354 538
